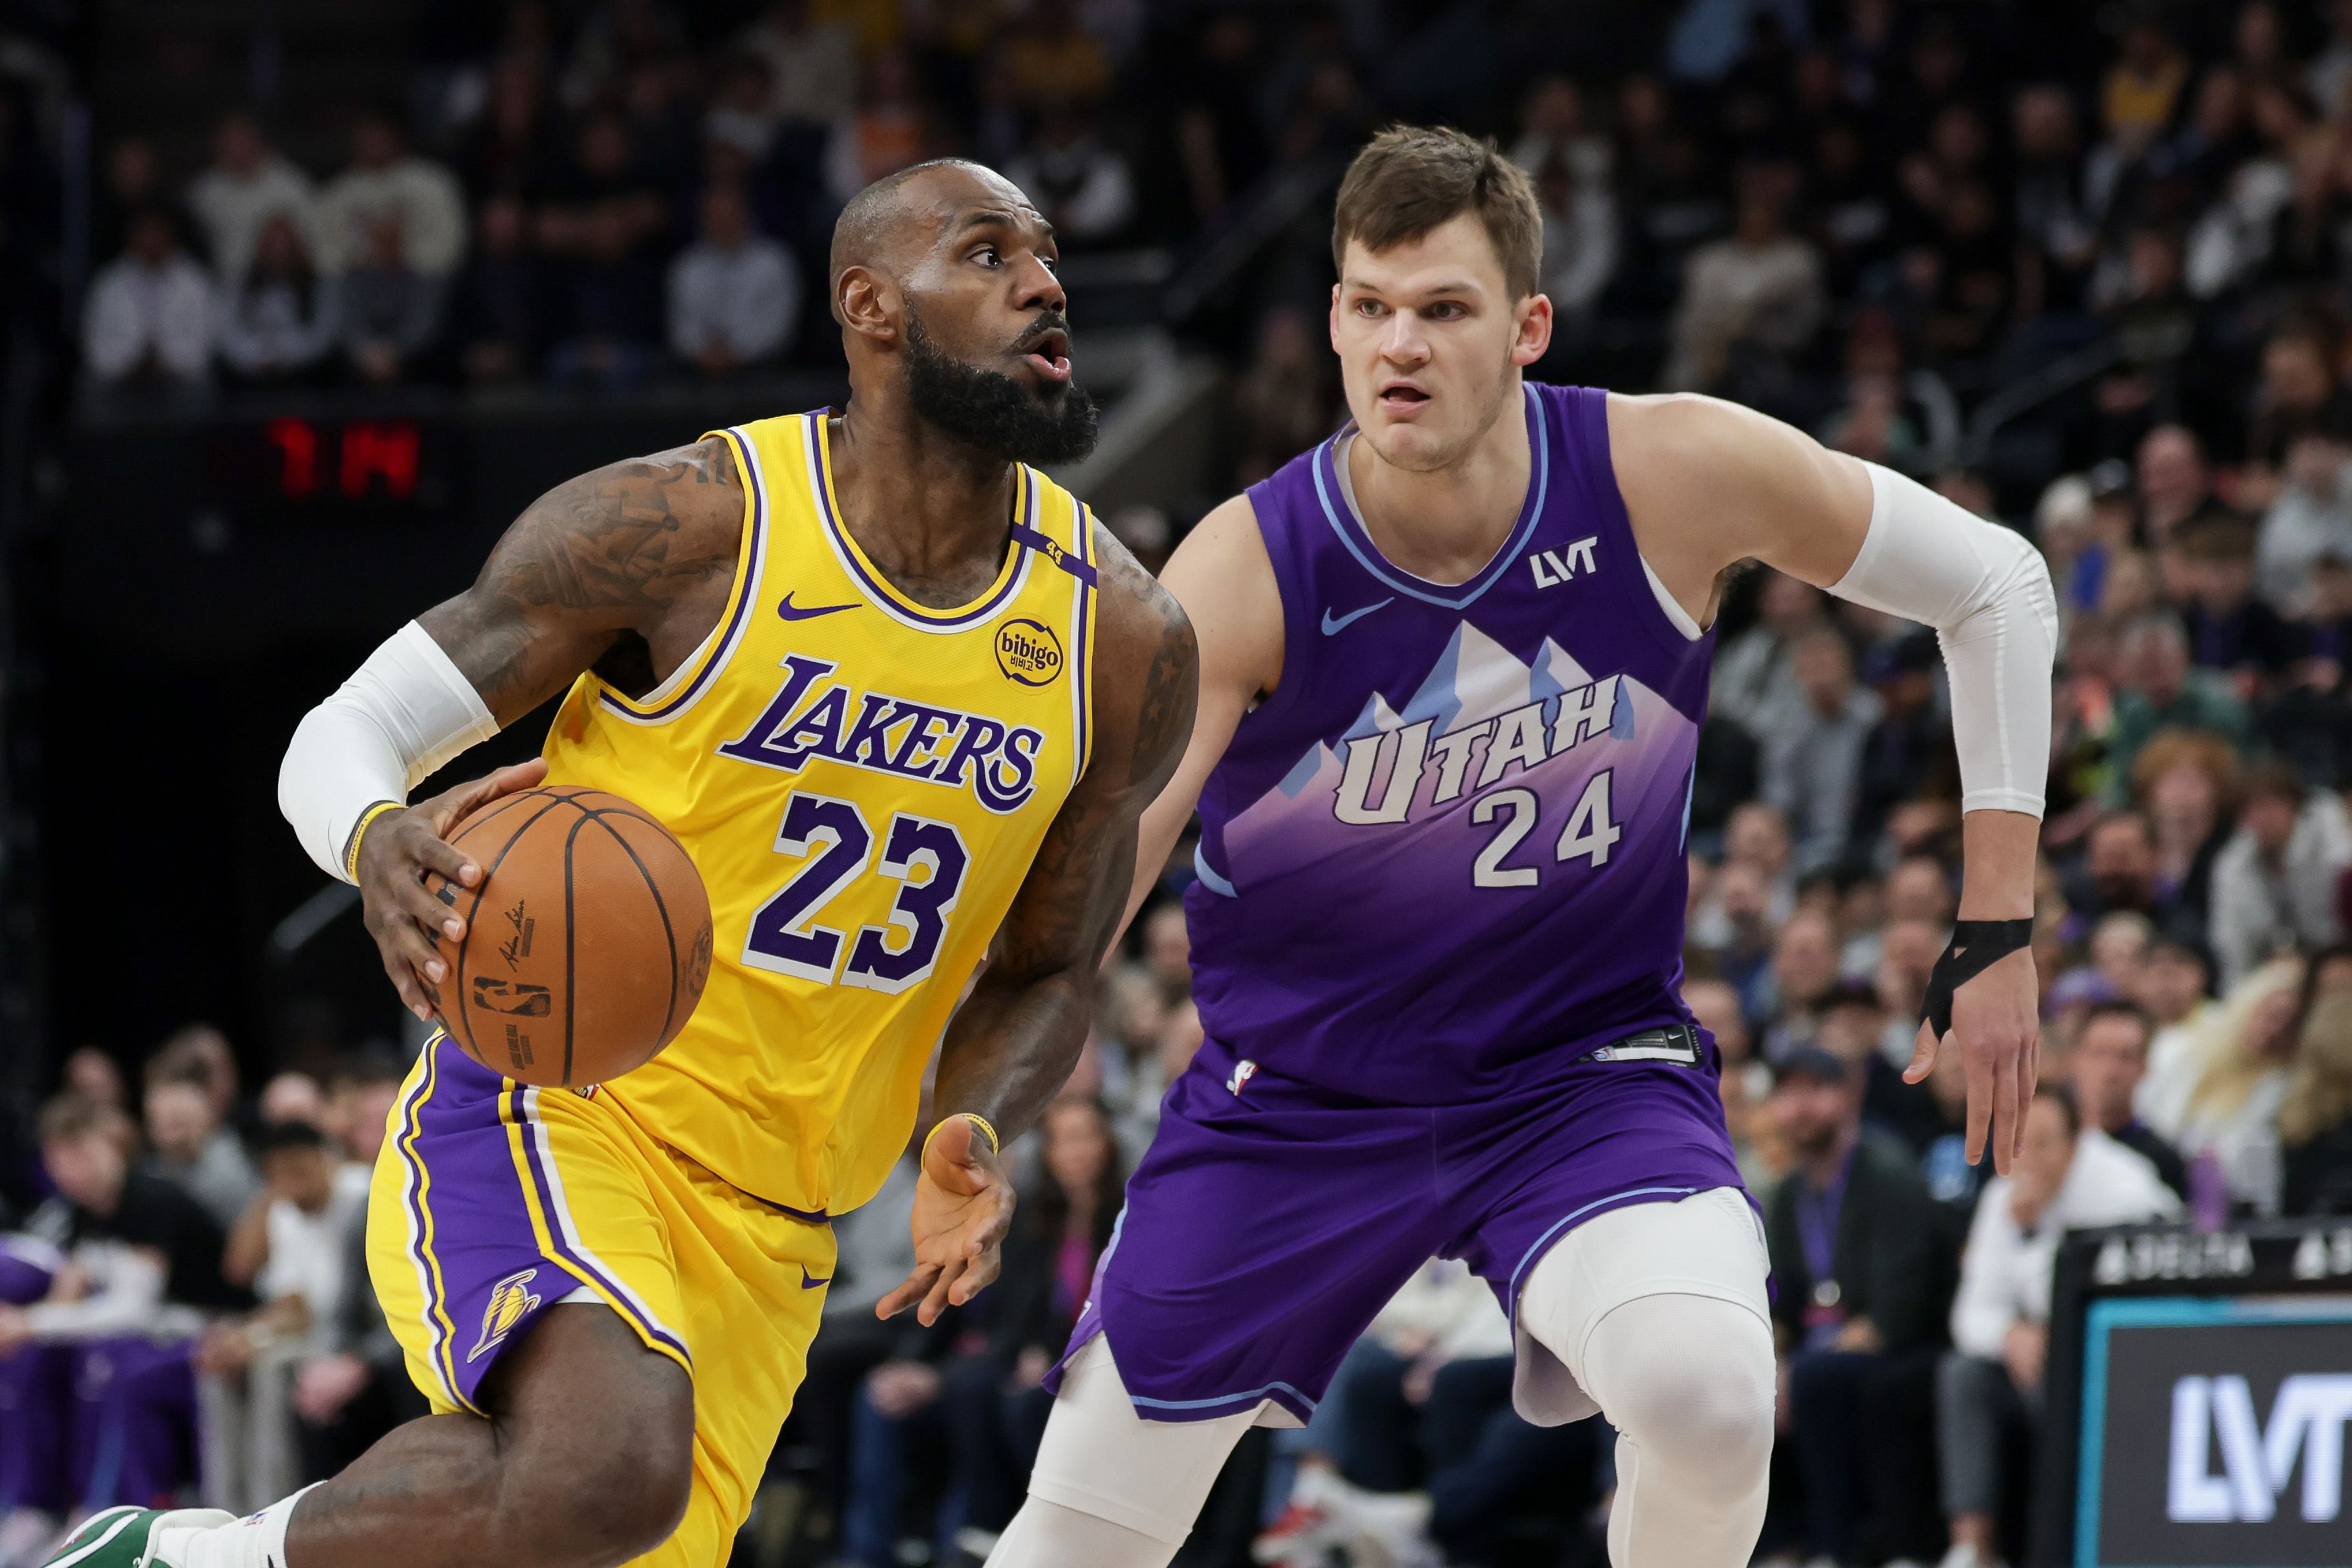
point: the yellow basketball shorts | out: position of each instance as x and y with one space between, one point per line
493 1201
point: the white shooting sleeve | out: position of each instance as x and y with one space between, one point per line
1987 592
402 714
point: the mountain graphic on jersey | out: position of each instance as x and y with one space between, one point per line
1495 774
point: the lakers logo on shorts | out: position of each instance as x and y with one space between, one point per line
511 1303
1028 651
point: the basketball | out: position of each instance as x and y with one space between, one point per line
587 940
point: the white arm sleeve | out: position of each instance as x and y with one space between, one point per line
1987 593
402 714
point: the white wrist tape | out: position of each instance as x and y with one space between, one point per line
402 714
1987 593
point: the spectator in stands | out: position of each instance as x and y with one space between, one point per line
292 1096
1077 179
391 312
995 1404
2185 783
1755 673
2274 881
1804 976
1758 290
889 131
192 1149
514 151
2161 690
1745 1083
141 1271
1814 750
2244 1062
249 184
1285 398
292 1249
2067 1177
2227 628
812 63
734 294
93 1074
1852 1241
2311 518
149 319
604 231
209 1050
2104 1069
741 115
130 183
1050 59
2316 1118
498 315
278 324
387 184
2056 229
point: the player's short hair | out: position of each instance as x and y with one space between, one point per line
1410 179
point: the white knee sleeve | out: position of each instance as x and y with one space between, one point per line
1658 1313
1144 1479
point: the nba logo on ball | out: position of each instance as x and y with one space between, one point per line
1028 651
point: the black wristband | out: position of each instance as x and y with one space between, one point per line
1976 946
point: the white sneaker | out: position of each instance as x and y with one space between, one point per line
1383 1530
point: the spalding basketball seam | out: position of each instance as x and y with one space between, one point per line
480 891
669 934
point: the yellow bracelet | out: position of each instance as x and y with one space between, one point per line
976 1119
359 830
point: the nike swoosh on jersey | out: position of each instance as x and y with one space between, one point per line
792 611
1334 624
807 1281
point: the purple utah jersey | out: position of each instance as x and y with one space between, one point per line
1411 894
1442 883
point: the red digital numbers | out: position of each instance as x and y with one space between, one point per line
371 454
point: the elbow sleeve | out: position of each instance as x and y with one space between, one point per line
1987 592
403 713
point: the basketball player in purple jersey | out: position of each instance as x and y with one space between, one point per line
1452 666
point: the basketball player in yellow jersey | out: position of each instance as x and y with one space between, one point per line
901 699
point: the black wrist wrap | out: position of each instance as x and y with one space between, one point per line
1976 946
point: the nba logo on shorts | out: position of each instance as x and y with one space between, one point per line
509 1304
1243 1070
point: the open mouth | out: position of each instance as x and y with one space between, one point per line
1048 353
1402 397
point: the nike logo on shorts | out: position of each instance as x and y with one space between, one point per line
792 611
1334 624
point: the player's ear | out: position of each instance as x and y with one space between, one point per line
1333 321
1534 338
865 301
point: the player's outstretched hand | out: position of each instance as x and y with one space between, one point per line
399 848
963 1207
1997 1029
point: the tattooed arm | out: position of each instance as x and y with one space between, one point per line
626 569
1013 1041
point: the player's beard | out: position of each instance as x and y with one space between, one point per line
991 412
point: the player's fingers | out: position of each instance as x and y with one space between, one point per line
908 1292
1980 1092
941 1293
432 914
1923 1055
434 853
2008 1115
404 979
979 1275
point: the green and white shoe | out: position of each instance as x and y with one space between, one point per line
126 1537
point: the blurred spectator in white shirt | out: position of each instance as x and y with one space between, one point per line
734 296
149 313
1753 675
1081 184
2274 880
2067 1178
391 309
385 182
2242 1061
280 319
248 183
1760 288
2311 518
192 1150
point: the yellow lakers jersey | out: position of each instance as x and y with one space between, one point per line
863 782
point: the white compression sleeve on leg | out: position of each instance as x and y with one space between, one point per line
1143 1481
403 713
1987 593
1659 1311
